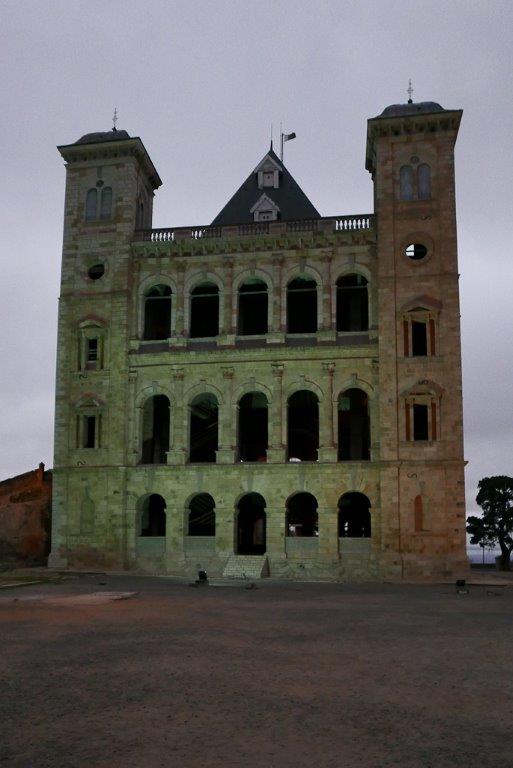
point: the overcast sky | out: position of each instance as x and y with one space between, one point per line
200 83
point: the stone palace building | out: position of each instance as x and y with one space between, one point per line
276 393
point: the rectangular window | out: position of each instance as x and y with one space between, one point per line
420 422
89 432
418 339
92 350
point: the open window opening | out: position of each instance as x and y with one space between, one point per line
106 203
353 426
155 445
153 516
406 182
252 315
302 517
251 525
354 520
303 426
203 428
302 305
424 181
90 427
352 303
253 430
420 421
202 516
204 311
91 204
419 341
157 313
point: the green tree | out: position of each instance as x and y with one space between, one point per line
495 526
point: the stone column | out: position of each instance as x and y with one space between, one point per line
226 419
228 328
225 531
181 302
275 532
276 333
175 531
328 533
327 449
327 328
276 450
178 451
58 556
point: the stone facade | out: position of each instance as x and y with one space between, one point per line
405 363
25 515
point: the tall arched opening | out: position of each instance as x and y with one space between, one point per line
251 525
155 430
302 517
354 519
303 426
203 428
253 430
353 426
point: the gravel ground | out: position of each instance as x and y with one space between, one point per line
281 675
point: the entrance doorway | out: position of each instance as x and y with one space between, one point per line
251 525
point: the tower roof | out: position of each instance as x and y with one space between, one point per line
99 136
286 196
411 108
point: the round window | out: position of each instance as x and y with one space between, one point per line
416 251
96 271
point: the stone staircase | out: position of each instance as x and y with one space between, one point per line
246 567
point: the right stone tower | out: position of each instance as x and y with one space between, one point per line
410 154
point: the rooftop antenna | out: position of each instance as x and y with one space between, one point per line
409 91
114 119
271 135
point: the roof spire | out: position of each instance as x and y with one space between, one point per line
114 119
409 91
271 137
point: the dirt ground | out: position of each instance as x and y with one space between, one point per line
281 675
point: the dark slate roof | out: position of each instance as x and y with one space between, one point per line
420 107
289 197
99 136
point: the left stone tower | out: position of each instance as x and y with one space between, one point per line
110 183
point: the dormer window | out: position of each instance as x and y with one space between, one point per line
268 178
265 209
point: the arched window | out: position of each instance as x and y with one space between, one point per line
303 426
251 520
354 519
302 517
202 516
406 182
253 427
353 426
91 204
153 516
252 314
155 430
352 303
157 313
203 428
302 305
106 203
418 512
424 181
204 311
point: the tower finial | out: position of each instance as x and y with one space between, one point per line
114 119
409 91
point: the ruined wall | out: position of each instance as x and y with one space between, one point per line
25 514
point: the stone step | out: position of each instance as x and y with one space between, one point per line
246 567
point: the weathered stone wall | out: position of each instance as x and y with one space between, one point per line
25 516
99 492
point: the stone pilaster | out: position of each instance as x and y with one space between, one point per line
227 426
225 531
276 450
178 452
275 533
328 533
327 448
